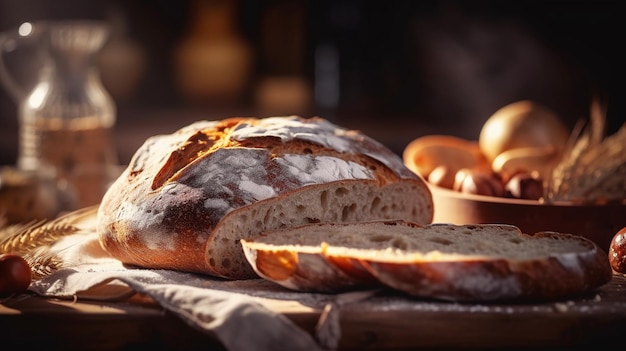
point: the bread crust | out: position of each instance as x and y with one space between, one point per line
308 271
409 258
550 278
187 198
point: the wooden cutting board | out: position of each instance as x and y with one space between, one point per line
383 322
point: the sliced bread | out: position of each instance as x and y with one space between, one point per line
485 262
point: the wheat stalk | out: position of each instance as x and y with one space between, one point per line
593 166
42 262
36 235
33 240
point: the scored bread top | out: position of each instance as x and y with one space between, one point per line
456 262
187 198
280 136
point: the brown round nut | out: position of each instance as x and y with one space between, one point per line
478 182
442 176
617 252
524 185
15 274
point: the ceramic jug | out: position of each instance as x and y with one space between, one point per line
65 115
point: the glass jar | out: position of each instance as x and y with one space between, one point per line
66 118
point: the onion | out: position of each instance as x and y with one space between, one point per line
522 124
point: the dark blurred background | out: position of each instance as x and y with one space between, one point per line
394 69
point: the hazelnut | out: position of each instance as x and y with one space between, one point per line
478 182
15 274
442 176
617 252
524 185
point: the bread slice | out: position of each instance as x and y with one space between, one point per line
187 198
485 262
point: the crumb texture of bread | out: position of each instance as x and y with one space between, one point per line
483 262
187 198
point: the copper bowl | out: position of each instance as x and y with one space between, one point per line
596 222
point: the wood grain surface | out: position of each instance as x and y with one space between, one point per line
384 322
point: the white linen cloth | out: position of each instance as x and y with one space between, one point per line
227 310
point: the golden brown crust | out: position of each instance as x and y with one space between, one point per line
560 275
187 198
303 271
469 281
432 261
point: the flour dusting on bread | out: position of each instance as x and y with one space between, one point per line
186 199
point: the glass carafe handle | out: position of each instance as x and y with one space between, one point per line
25 42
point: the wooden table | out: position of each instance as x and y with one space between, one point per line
594 321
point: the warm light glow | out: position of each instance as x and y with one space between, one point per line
37 96
25 29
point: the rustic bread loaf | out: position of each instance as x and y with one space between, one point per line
484 262
187 198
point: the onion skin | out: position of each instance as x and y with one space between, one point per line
15 274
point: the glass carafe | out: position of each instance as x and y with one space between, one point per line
65 116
